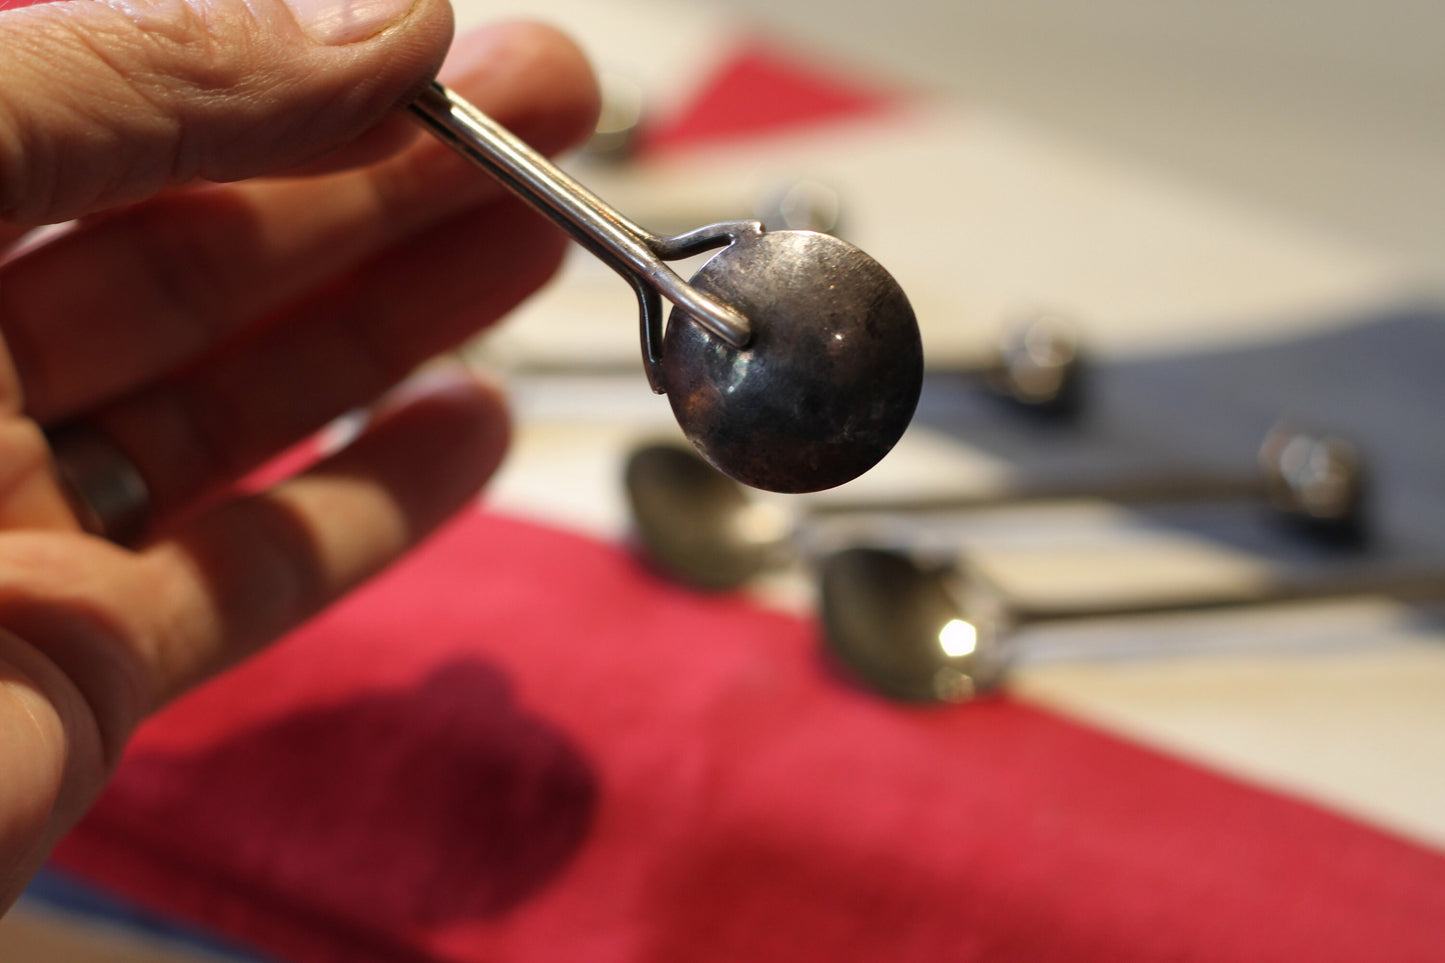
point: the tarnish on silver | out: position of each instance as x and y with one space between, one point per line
792 360
106 491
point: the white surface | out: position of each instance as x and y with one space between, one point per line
666 49
982 216
1356 725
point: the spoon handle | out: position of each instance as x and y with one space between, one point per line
1143 490
1403 583
617 241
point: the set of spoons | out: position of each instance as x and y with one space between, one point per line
793 363
916 631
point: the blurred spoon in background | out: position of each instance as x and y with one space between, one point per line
701 528
945 634
1037 365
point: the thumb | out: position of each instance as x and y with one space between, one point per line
105 102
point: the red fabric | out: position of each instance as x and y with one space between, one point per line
762 91
518 745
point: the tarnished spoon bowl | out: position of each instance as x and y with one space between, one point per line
692 523
793 361
829 379
911 633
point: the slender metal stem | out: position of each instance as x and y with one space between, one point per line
1144 490
621 244
1421 583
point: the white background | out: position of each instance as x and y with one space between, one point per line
1329 111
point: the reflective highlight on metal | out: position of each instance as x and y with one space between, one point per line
1040 365
943 634
792 360
622 245
903 631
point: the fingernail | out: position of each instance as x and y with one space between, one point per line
337 22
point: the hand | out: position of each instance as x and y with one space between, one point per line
202 321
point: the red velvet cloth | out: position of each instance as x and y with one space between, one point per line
519 745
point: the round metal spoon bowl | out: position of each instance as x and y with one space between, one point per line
792 361
694 524
907 631
828 380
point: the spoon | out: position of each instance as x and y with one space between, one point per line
940 634
792 360
1039 365
699 527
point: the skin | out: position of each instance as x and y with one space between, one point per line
260 242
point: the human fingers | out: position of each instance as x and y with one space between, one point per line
135 293
248 571
205 426
104 102
93 637
46 741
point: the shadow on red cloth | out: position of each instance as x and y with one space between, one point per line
730 800
467 802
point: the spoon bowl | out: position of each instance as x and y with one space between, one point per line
830 375
793 360
911 633
695 524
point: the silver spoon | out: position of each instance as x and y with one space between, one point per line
1039 365
942 634
792 360
701 528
